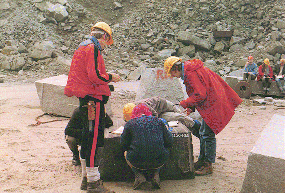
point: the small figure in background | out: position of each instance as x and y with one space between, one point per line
280 76
250 69
265 74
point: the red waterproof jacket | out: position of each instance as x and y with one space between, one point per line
261 72
86 76
214 99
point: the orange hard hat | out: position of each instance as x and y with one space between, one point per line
250 57
104 26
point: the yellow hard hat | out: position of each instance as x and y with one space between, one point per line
127 111
266 61
104 26
169 62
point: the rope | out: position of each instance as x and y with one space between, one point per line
38 122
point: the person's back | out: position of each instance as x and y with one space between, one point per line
147 142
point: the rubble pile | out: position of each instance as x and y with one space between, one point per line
39 37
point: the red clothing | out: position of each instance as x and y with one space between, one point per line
210 94
86 78
261 72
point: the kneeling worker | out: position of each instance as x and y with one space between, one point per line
146 140
165 109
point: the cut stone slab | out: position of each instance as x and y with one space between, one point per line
113 166
52 99
266 161
155 82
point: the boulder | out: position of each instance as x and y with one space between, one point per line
155 82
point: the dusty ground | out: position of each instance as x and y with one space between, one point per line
37 159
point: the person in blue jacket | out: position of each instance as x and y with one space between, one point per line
146 142
250 69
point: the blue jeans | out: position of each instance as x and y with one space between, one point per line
207 143
280 86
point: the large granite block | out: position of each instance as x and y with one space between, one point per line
266 162
52 99
113 166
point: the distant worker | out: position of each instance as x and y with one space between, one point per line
265 74
280 76
146 142
88 81
250 69
165 109
214 99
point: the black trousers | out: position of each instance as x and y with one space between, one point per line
92 138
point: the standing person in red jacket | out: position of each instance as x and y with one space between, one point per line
88 80
212 97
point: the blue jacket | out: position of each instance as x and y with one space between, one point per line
251 68
146 139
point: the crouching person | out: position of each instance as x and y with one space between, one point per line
146 142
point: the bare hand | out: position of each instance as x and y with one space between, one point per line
115 77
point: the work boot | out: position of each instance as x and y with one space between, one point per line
97 187
206 169
83 184
76 160
139 180
155 181
198 164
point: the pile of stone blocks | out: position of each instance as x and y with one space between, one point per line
266 162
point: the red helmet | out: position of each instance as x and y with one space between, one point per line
250 57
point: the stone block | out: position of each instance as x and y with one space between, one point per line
232 81
266 161
155 82
52 99
113 166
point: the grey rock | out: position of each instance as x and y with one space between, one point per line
166 53
250 45
280 24
58 12
236 40
42 50
118 5
10 50
187 50
219 47
188 38
275 47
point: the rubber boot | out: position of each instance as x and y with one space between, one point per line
139 179
155 181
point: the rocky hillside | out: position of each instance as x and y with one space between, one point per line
38 37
